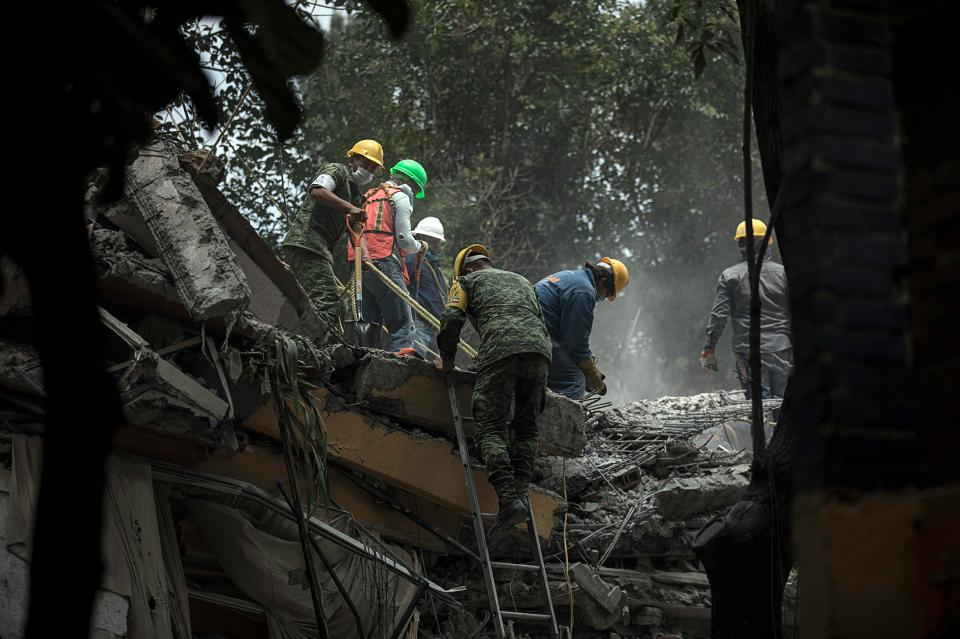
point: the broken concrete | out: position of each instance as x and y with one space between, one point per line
685 497
185 236
415 392
277 298
639 482
605 604
130 279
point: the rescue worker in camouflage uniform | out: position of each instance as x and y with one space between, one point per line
514 357
319 224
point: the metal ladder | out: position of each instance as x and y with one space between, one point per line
499 615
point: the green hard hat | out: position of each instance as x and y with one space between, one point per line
413 170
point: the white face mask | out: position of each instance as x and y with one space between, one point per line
362 176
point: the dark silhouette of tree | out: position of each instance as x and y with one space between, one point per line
111 64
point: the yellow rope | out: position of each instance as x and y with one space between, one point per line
566 555
415 305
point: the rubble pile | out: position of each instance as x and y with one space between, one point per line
651 475
197 307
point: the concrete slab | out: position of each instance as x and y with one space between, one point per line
414 391
686 497
423 465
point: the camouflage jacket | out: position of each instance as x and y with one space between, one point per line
318 228
503 307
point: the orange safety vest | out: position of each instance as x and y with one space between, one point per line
378 231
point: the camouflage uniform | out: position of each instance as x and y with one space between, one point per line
514 358
309 243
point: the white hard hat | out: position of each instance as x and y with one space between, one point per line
431 227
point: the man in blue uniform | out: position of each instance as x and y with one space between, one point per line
567 300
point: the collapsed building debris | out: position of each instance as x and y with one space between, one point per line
195 302
630 533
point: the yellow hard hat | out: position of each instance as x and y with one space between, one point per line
759 229
621 276
473 249
369 149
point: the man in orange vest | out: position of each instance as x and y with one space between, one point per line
387 237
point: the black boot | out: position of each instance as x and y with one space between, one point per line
509 516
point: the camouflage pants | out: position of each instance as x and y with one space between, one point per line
315 273
519 381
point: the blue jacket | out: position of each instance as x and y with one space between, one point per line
433 287
567 300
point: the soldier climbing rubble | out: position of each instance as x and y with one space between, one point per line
319 224
512 368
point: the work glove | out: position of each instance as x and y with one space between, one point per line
424 247
593 376
708 360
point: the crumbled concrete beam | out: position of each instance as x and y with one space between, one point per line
414 391
686 497
276 295
187 238
128 279
263 466
698 579
156 395
600 605
417 463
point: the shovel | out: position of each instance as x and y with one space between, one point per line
358 331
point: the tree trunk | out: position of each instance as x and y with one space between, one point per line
747 576
746 552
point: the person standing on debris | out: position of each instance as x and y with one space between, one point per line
427 284
319 224
733 301
567 300
386 239
514 357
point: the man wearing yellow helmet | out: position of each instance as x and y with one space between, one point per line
511 372
568 300
335 194
733 301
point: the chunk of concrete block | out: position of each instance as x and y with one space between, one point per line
685 497
604 605
128 279
276 295
187 238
